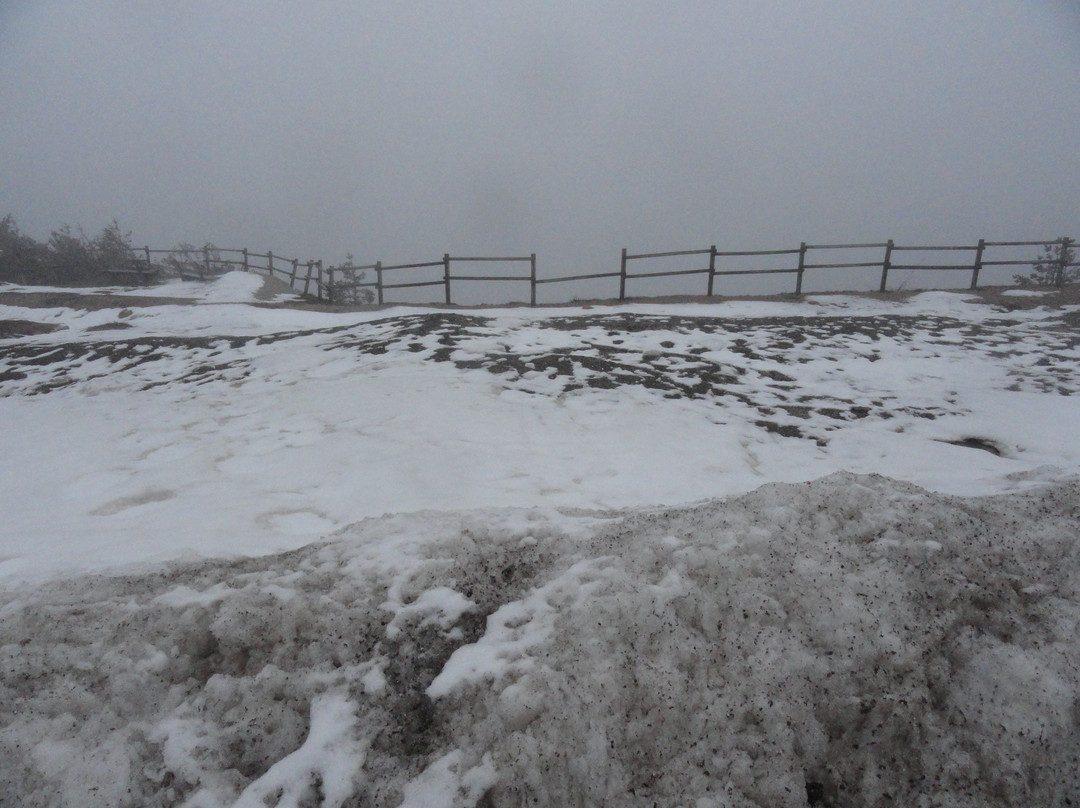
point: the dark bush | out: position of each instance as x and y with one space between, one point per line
69 256
1053 268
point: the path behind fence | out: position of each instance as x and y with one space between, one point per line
369 283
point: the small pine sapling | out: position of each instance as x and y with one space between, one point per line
1055 267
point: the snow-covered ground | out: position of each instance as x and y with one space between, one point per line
748 553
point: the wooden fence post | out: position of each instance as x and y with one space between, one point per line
329 284
1063 263
885 264
532 279
378 280
307 279
295 269
712 269
270 262
802 268
446 275
622 276
206 262
246 267
978 264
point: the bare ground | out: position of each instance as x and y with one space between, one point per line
272 288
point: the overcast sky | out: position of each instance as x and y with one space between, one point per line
399 131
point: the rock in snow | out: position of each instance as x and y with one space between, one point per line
851 641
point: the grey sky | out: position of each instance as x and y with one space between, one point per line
398 131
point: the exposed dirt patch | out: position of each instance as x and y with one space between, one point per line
10 329
82 301
1050 297
977 443
85 300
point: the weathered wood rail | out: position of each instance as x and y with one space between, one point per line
209 262
379 285
799 264
337 284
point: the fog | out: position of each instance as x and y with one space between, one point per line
398 132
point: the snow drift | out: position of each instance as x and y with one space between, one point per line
850 641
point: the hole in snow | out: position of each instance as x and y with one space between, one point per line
978 443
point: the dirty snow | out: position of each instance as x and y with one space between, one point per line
751 553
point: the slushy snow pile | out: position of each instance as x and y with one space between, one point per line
635 556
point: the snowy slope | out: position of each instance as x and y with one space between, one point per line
540 617
147 432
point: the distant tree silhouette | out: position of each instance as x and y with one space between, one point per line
69 256
22 259
186 260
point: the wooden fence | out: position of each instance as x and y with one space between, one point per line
346 283
209 262
798 261
447 277
328 284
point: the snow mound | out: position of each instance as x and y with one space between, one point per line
229 287
851 641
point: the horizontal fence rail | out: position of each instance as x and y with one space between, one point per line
346 276
368 283
885 264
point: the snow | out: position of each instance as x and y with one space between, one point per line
327 762
231 287
739 554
